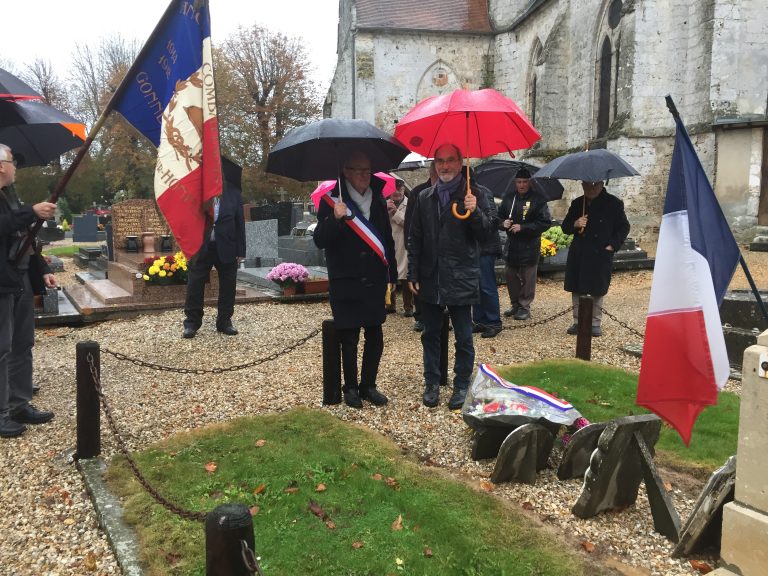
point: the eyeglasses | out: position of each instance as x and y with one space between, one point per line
360 171
14 162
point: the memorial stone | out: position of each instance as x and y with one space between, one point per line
85 228
578 451
524 452
260 242
487 440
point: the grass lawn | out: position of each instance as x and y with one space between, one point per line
384 514
69 250
602 393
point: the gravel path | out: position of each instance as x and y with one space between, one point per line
47 524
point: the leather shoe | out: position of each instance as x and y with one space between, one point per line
491 332
373 396
189 332
597 331
418 326
11 429
35 389
522 314
509 312
573 329
408 313
476 328
228 330
352 398
31 415
457 398
431 395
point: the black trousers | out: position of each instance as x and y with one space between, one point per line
372 351
197 277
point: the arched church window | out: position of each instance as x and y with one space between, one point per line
604 98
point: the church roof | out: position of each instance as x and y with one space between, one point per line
435 15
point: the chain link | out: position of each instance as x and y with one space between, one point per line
250 559
180 370
167 504
623 324
538 322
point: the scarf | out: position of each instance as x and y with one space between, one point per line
445 189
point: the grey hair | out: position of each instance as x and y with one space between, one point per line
5 152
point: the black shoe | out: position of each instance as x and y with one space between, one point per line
509 312
11 429
597 331
391 310
573 329
228 330
457 399
373 396
522 314
476 328
35 389
352 398
189 332
408 313
418 326
31 415
431 395
490 332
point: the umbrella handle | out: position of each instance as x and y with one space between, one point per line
454 206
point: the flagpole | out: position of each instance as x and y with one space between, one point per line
673 110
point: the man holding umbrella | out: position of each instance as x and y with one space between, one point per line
600 226
19 277
444 269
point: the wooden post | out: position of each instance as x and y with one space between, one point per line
331 364
584 335
88 409
444 349
225 527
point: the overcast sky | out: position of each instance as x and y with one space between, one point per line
50 29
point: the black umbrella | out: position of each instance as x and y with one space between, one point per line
588 166
499 177
313 152
36 132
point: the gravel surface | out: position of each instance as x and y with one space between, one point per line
48 526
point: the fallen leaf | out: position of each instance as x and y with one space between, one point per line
90 561
668 486
69 521
357 545
320 487
487 486
392 483
700 566
211 467
197 409
259 489
493 350
398 523
527 506
254 510
260 443
377 477
588 546
428 552
317 510
291 490
330 524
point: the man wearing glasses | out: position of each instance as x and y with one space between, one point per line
444 269
20 276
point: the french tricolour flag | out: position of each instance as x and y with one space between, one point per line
684 360
169 96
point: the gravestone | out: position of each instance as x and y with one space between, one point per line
86 228
578 451
486 441
264 212
742 323
301 250
260 242
524 452
50 232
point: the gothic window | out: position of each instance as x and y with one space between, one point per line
533 100
604 98
535 62
607 66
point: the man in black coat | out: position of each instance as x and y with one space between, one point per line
444 269
524 216
20 279
224 250
600 226
358 273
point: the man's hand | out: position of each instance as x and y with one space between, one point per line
339 210
580 222
507 223
414 287
609 248
391 208
470 202
44 210
50 280
515 228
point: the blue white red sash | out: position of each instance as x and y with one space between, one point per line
531 391
360 226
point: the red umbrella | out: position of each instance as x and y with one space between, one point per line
483 122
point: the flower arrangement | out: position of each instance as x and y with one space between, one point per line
288 273
548 247
165 270
578 424
556 235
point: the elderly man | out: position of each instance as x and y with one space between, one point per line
444 269
354 230
600 226
20 276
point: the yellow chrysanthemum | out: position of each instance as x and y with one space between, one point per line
162 273
146 278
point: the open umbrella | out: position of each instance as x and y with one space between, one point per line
323 187
589 166
413 161
37 133
313 152
499 177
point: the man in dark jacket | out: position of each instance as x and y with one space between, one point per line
486 314
600 226
360 256
444 269
20 278
224 250
524 216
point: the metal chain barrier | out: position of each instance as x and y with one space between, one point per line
168 505
177 370
538 322
250 559
623 324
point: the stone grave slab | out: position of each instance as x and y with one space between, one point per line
523 453
666 520
614 474
260 241
55 263
487 440
578 451
85 228
704 526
